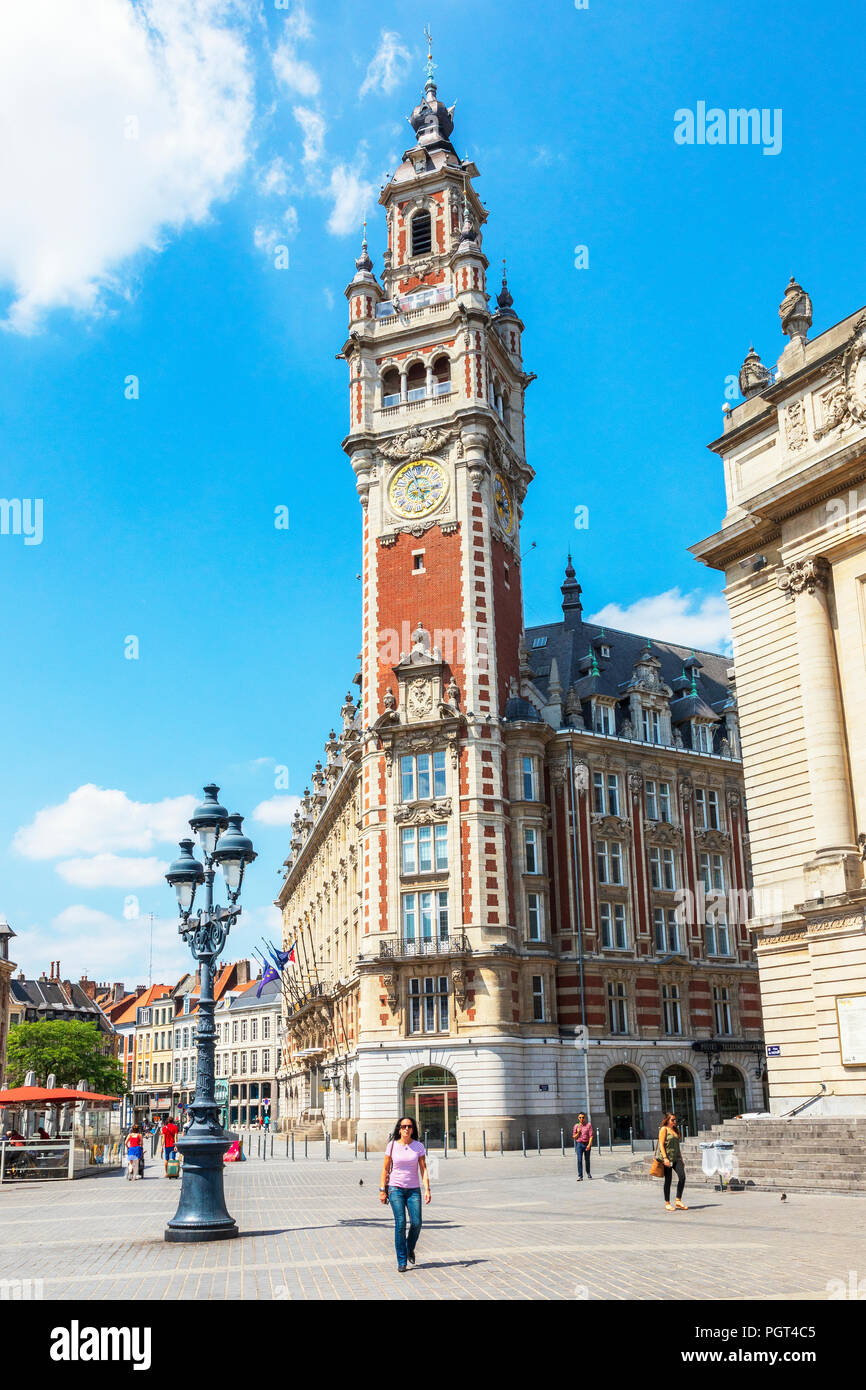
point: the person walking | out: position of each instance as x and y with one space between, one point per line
169 1141
404 1169
583 1136
134 1152
670 1155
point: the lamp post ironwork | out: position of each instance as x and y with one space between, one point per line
201 1213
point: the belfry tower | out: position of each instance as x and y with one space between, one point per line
436 441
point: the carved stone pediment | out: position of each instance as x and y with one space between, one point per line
659 832
416 443
610 826
423 812
711 839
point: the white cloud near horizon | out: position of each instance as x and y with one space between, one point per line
277 810
113 871
695 619
99 821
352 196
105 948
130 121
389 65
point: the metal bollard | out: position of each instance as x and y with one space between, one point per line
426 1142
365 1146
523 1141
327 1148
538 1141
258 1146
610 1138
631 1137
356 1143
265 1147
501 1150
446 1143
562 1141
305 1146
272 1144
464 1143
293 1148
484 1142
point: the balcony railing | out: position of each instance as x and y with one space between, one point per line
435 946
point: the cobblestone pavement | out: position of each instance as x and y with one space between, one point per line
510 1227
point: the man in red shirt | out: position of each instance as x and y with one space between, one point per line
582 1144
169 1140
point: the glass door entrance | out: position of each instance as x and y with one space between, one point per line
430 1097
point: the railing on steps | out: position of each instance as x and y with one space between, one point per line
802 1106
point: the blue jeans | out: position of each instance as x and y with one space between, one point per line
582 1152
403 1200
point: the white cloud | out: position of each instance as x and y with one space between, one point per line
87 941
267 238
388 66
298 24
112 871
129 120
690 620
293 72
98 820
313 127
351 198
329 297
278 810
274 178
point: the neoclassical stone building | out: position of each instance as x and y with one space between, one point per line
793 550
511 845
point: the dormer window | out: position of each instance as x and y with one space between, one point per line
421 234
702 737
652 726
538 642
604 653
602 718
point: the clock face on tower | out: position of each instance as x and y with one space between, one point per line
418 488
504 504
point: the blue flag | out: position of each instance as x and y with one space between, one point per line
270 974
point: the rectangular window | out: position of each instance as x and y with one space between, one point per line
667 930
440 845
266 1061
234 1030
530 850
254 1030
234 1064
243 1030
184 1069
428 1004
606 793
602 718
652 810
703 737
422 776
177 1069
722 1010
713 872
529 779
177 1037
662 869
243 1064
538 998
425 849
409 916
266 1029
613 930
672 1018
535 915
617 1008
254 1062
409 855
718 933
439 773
608 855
652 726
442 914
665 802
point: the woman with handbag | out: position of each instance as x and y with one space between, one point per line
403 1171
134 1153
669 1160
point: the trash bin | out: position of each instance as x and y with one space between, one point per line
725 1161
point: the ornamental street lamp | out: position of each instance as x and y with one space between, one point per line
201 1213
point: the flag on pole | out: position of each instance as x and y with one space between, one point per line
269 974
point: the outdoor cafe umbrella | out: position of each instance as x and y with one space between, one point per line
37 1097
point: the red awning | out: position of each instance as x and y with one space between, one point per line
61 1095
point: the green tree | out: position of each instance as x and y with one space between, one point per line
66 1048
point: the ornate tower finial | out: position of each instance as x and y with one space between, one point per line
504 299
754 376
431 66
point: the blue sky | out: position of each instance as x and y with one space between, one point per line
154 157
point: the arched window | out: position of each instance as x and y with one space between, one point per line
441 376
391 387
416 382
422 236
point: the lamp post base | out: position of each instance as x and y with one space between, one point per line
201 1212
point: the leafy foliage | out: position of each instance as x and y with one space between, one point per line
68 1049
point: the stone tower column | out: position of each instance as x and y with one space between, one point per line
836 867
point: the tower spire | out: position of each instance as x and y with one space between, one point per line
430 84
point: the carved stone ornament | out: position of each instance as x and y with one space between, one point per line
458 981
795 311
635 783
390 985
617 826
796 429
419 699
804 576
845 400
659 832
734 800
708 839
686 793
417 442
423 814
754 376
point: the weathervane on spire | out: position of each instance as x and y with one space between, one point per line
431 66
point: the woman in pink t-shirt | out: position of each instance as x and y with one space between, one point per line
403 1171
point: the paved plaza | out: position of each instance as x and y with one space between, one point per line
505 1227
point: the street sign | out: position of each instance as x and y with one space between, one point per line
544 1087
774 1050
672 1082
